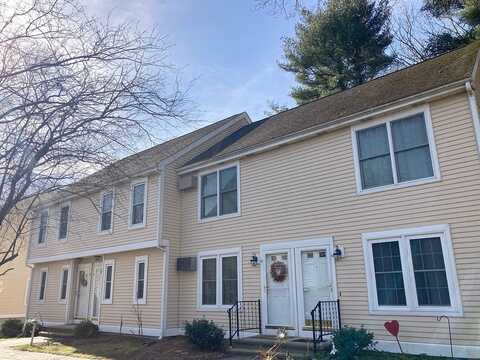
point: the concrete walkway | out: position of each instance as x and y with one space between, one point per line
8 353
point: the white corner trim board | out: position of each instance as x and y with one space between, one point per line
96 251
459 351
472 102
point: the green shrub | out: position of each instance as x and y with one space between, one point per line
11 328
85 329
29 328
349 342
205 334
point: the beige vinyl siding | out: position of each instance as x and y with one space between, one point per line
83 231
13 286
172 227
307 190
50 310
122 307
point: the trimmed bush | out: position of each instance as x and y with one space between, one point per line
205 334
349 342
11 328
85 329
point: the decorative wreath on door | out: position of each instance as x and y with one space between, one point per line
278 271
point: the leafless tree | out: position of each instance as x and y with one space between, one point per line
75 91
287 8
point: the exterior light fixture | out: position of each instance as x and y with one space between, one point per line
254 260
339 252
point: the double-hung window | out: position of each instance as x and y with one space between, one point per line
63 290
137 210
106 211
108 275
219 193
412 271
64 218
219 278
43 284
42 228
140 285
397 151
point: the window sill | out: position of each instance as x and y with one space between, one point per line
109 302
221 217
139 302
136 226
104 232
416 312
399 185
42 245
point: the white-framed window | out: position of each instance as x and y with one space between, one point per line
63 221
64 284
140 284
219 193
108 278
42 228
219 278
42 290
138 200
395 151
106 211
412 271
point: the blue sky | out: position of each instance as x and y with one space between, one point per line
229 48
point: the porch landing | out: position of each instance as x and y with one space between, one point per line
294 345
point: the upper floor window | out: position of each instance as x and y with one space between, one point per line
395 152
63 222
106 211
140 286
42 229
412 270
219 193
137 211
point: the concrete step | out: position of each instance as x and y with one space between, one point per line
60 330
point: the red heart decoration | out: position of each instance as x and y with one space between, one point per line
393 327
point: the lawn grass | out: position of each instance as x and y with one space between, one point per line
103 347
380 355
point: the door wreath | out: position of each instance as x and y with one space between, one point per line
278 271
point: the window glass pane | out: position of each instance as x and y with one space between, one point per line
229 280
228 202
412 152
138 194
374 157
137 214
140 280
43 283
228 179
107 202
429 269
209 281
388 274
64 211
107 221
108 282
43 227
209 184
63 294
209 206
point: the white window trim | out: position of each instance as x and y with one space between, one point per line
199 196
143 301
63 268
69 204
42 270
130 208
425 109
403 236
107 263
218 255
44 244
99 227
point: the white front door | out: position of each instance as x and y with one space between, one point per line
83 291
279 294
296 276
314 283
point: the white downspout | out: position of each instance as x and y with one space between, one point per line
472 101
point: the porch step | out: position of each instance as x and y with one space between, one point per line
294 345
58 330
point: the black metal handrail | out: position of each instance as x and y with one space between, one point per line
326 320
244 316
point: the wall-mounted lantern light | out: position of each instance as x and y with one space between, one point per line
254 260
338 253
